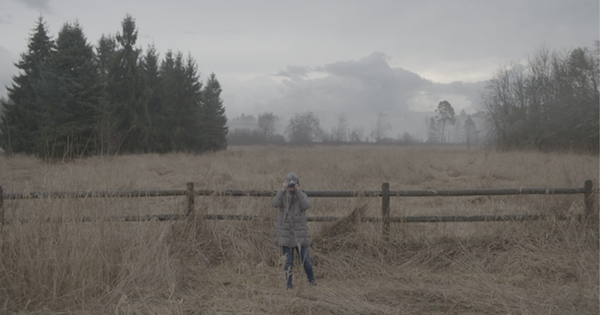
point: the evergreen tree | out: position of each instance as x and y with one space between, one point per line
152 82
191 109
68 101
126 92
72 94
576 109
105 59
444 115
470 130
24 116
167 120
214 128
178 126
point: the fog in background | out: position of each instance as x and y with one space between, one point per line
352 57
358 89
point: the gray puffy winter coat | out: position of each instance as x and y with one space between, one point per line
291 228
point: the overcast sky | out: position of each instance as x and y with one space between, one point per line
331 57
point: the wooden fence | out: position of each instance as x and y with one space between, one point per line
385 193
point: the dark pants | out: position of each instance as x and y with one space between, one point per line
289 263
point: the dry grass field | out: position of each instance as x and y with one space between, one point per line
62 266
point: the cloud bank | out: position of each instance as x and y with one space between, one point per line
359 89
43 6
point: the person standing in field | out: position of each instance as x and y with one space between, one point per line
291 230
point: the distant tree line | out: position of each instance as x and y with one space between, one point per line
256 131
549 103
305 128
71 99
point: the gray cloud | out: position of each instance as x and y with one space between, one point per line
212 32
359 89
294 71
7 67
368 83
6 19
38 5
470 90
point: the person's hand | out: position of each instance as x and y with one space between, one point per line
285 185
295 189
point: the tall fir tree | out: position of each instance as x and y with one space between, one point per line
24 113
126 93
152 82
192 107
214 121
107 141
179 126
68 101
166 122
72 95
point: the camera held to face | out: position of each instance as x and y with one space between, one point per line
292 184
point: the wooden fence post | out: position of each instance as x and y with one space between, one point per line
588 198
385 210
2 204
190 196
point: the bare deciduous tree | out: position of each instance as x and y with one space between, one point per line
357 134
381 128
433 131
549 103
266 124
304 128
339 133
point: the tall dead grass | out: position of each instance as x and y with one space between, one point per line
216 267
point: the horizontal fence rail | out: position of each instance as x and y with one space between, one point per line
408 219
313 193
588 191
